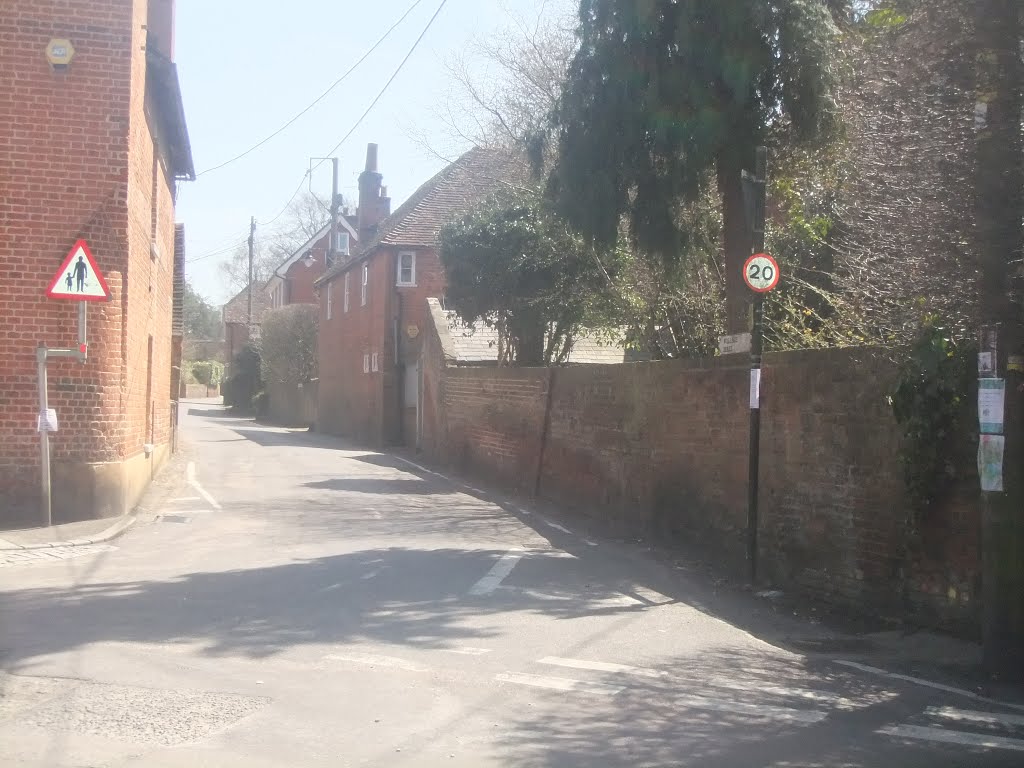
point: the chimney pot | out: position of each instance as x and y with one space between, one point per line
371 157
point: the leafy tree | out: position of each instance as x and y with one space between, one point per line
209 373
288 337
515 266
202 320
663 98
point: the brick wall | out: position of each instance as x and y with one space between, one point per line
76 160
662 448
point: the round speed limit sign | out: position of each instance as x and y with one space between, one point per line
761 273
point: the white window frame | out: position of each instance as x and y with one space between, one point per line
374 362
366 281
366 363
330 293
398 276
344 305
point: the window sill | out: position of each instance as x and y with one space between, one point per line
405 285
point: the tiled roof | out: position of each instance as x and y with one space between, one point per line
237 309
469 344
452 192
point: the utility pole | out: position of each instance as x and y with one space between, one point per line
999 200
332 248
252 243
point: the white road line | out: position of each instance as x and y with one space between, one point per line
787 714
590 543
468 650
748 686
592 602
651 595
374 660
558 683
497 574
556 526
187 498
928 684
371 574
930 733
191 475
971 716
421 469
600 666
331 587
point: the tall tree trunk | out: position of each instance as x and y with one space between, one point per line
736 240
999 201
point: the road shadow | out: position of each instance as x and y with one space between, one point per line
723 709
415 597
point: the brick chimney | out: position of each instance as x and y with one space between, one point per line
374 204
160 26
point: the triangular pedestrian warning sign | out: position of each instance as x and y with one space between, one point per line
78 278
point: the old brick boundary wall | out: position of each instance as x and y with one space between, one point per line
661 448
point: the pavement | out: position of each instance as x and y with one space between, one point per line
289 599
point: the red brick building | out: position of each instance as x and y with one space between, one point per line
373 305
294 279
90 150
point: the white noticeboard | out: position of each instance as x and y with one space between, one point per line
991 395
755 387
47 421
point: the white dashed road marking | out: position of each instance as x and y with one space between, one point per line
497 574
375 660
932 733
558 683
190 473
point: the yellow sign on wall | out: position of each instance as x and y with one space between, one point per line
59 52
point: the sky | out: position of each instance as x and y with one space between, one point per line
246 70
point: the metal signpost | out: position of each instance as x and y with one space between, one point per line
78 279
761 274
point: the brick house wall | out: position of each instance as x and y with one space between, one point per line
661 448
76 156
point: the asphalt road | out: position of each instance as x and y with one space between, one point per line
293 601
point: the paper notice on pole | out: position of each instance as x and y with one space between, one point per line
990 462
990 405
755 387
47 421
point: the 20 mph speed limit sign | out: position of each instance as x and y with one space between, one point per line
761 273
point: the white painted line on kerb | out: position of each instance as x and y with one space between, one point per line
971 716
469 650
190 473
374 660
422 469
556 526
928 684
187 498
497 574
931 733
558 683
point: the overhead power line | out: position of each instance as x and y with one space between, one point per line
366 112
319 98
388 83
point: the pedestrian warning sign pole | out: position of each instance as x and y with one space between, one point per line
77 279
